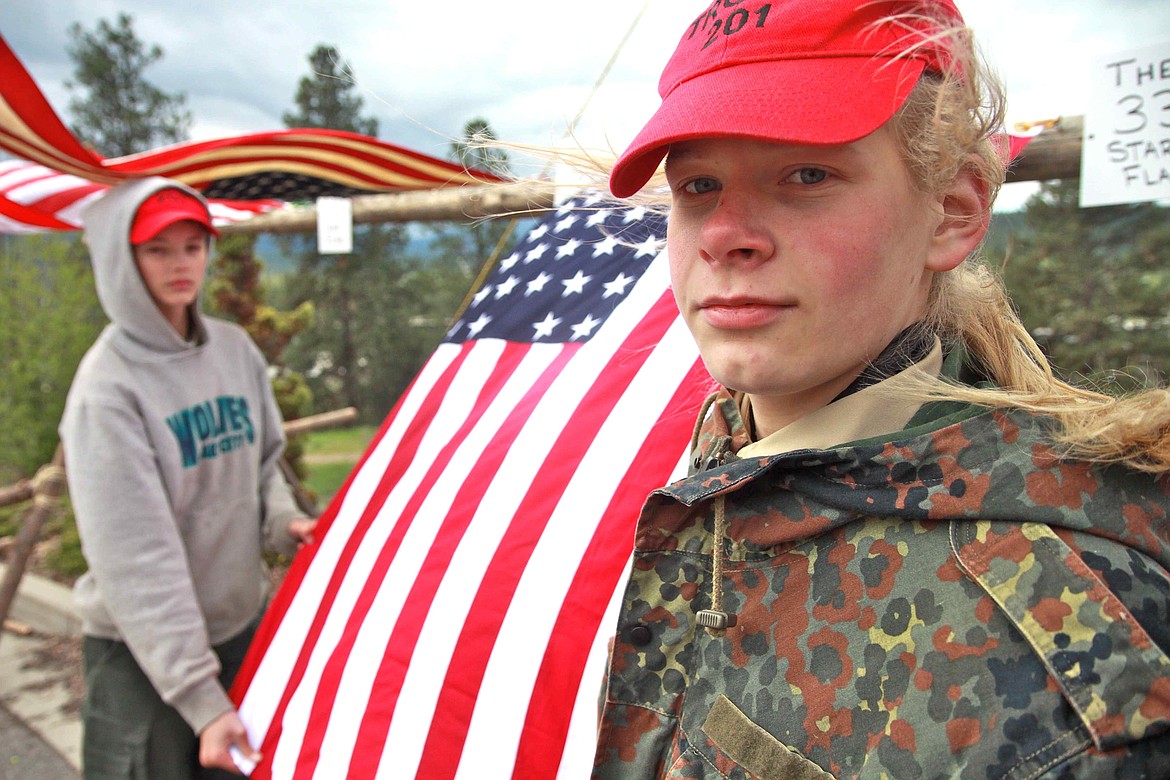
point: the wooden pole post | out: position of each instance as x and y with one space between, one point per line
1054 154
16 494
314 422
461 204
48 486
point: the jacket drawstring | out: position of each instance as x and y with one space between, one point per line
715 620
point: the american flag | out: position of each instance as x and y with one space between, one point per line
453 620
56 175
36 199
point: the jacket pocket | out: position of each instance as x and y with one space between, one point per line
1112 673
752 748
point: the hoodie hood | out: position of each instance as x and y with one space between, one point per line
121 290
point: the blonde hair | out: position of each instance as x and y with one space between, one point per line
947 125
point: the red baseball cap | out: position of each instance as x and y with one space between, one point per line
165 208
790 71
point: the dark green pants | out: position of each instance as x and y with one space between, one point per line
129 732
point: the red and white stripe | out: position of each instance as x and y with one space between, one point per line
49 191
36 199
454 619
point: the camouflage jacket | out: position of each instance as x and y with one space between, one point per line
952 602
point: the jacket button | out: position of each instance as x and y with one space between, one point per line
639 635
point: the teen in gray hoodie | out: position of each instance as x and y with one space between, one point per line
172 438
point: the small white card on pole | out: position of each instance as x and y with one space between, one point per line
334 226
1125 152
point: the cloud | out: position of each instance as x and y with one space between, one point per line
527 66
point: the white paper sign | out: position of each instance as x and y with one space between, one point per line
334 226
1125 154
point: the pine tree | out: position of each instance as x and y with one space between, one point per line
325 98
121 112
235 292
1094 285
348 291
49 317
476 150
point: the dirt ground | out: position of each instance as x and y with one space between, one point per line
62 653
53 651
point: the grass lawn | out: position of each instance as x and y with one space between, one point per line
339 441
325 479
330 456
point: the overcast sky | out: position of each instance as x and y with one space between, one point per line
425 67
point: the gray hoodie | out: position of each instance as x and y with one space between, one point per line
171 451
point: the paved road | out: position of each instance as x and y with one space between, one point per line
25 756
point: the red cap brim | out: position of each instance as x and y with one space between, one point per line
163 209
814 101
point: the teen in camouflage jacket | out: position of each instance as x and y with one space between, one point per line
950 601
853 583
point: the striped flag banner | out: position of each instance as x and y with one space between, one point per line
453 618
35 199
56 174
